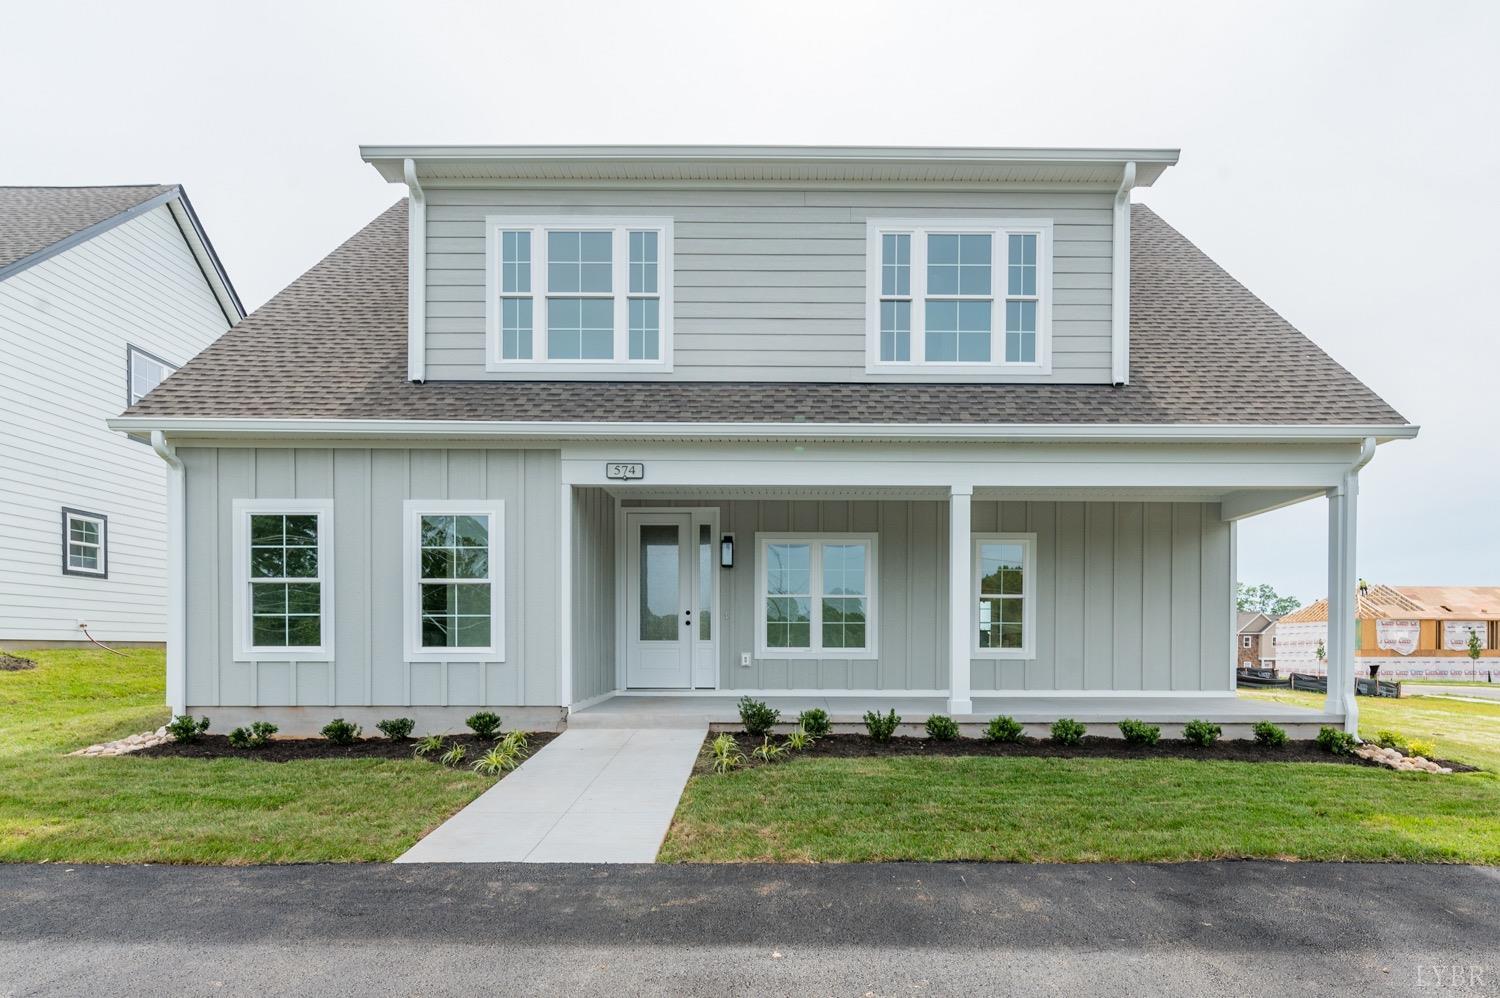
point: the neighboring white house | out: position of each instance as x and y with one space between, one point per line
104 291
585 432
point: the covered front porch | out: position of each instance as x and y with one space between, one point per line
1035 580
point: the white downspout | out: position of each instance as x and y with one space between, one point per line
176 574
416 277
1348 544
1119 324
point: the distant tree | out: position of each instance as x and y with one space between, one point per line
1475 647
1321 651
1264 599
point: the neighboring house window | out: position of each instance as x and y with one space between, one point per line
579 293
964 295
143 372
1005 595
85 543
454 567
283 572
1245 641
816 596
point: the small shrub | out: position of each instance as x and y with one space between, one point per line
1201 733
1004 729
1417 746
758 716
455 756
1335 741
767 750
941 728
1391 739
797 740
485 724
431 745
1270 735
1139 732
397 729
340 731
496 761
815 722
257 735
726 753
881 726
184 728
1066 731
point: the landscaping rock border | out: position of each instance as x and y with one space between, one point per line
1392 759
128 744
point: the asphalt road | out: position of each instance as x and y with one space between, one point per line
905 929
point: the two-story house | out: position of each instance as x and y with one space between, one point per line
104 291
621 434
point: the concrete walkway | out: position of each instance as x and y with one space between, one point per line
602 796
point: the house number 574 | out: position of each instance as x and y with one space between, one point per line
624 470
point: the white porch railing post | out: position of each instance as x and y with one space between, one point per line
1350 550
960 612
1341 575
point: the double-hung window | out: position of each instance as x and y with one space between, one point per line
454 567
1005 595
283 570
143 372
578 294
816 596
965 296
85 543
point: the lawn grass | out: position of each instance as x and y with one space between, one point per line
173 810
1089 810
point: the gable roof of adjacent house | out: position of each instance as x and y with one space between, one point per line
38 223
1253 623
1205 352
1413 602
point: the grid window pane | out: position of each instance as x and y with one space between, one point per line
83 556
645 328
1002 596
83 531
1022 265
515 328
515 262
454 592
145 374
788 622
895 330
958 330
1020 332
643 262
958 264
580 329
579 262
895 264
788 568
285 614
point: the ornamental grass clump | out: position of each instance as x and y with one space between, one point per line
726 754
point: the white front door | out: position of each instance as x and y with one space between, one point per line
659 600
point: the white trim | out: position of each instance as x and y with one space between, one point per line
1029 597
243 650
416 275
1119 288
700 515
960 616
538 226
565 525
816 540
985 694
1105 694
997 229
132 354
412 510
101 546
753 691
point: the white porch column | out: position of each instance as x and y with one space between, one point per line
1342 544
565 598
960 612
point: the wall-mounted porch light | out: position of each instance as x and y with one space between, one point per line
726 551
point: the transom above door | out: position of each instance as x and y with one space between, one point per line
670 599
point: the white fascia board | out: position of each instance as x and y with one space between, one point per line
579 430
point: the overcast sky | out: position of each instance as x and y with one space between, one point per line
1340 159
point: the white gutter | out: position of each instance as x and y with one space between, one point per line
416 277
950 432
176 574
1119 295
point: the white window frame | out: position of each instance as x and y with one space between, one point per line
1029 595
244 650
412 511
816 539
998 229
538 227
69 516
1245 641
131 353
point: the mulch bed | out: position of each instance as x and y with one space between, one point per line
852 746
14 663
297 749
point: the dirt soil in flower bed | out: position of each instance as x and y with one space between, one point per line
294 749
1093 747
14 663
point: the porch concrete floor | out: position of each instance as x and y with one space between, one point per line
664 711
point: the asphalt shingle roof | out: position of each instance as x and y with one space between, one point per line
33 218
332 345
